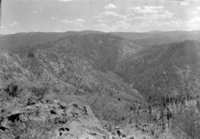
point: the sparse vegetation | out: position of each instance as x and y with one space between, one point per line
187 123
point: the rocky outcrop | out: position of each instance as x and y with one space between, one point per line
51 119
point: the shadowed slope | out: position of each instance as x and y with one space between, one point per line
166 69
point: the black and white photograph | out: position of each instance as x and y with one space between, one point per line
99 69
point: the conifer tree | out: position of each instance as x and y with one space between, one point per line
150 112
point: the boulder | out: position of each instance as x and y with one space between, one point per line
52 120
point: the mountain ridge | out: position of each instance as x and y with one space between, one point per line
79 60
141 38
160 70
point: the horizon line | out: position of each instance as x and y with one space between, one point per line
152 31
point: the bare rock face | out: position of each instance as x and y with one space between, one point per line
50 119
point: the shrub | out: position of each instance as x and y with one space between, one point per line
39 92
12 90
30 55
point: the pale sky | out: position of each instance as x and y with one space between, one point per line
102 15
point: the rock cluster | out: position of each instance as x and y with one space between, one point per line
51 119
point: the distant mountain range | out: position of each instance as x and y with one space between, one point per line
89 60
143 39
159 37
14 40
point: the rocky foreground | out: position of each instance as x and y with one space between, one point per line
54 119
50 119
